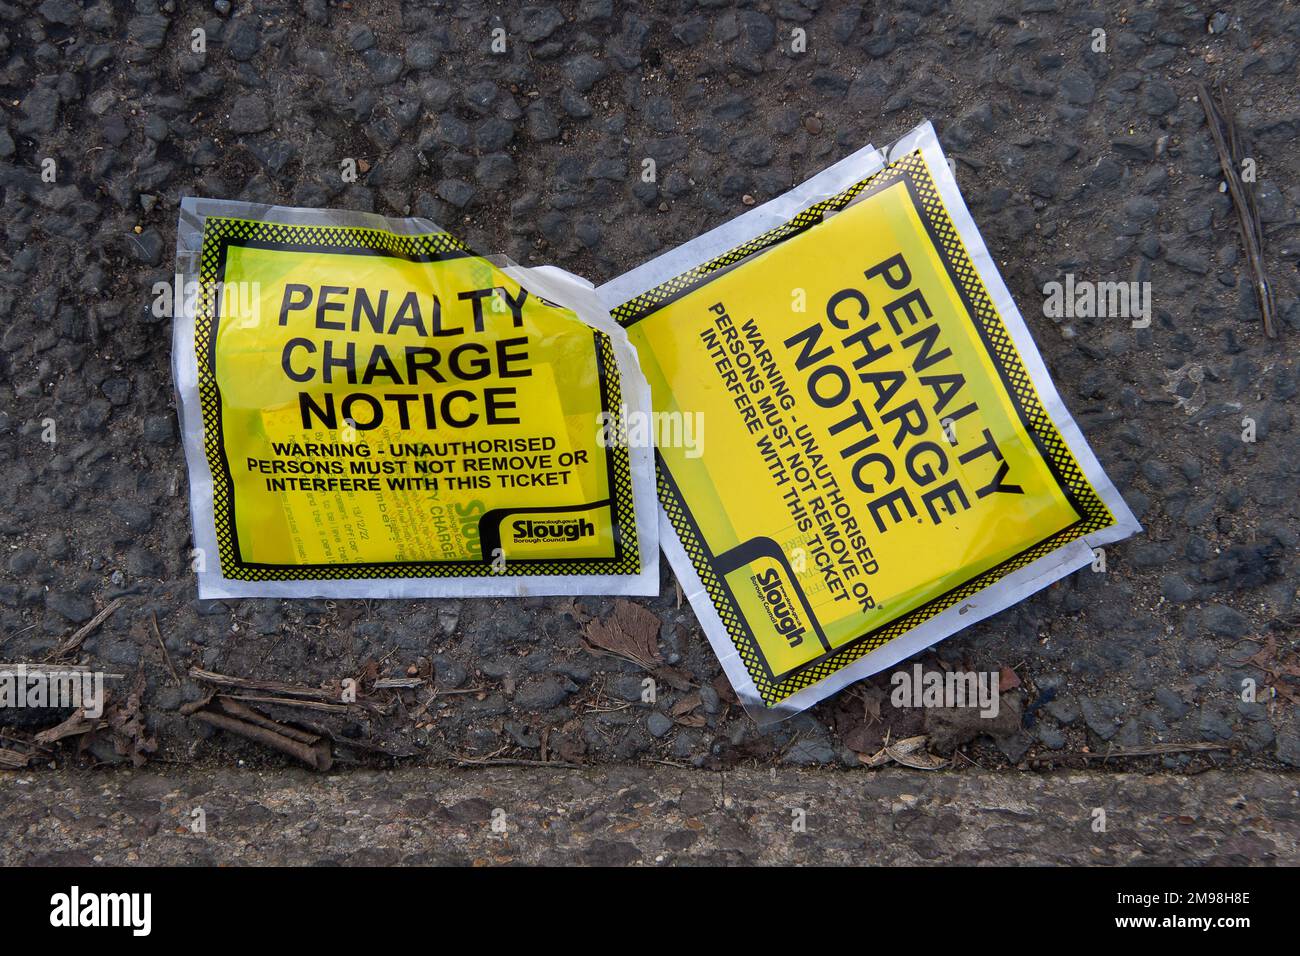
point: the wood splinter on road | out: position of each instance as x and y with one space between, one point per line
236 718
73 643
283 689
1223 127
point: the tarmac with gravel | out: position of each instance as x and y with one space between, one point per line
1074 160
647 816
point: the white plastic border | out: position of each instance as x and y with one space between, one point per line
548 282
1009 590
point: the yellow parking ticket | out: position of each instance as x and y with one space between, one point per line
371 409
885 458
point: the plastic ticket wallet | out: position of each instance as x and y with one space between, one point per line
885 460
370 409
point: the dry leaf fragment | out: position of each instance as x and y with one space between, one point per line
686 705
878 759
630 632
126 723
911 752
724 689
674 677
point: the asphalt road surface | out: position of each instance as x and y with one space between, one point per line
1075 160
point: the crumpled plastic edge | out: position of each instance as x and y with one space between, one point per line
1008 591
549 282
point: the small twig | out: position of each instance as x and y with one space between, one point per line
1155 750
9 637
24 741
317 755
274 687
1252 235
295 690
74 642
398 683
8 670
13 760
354 744
964 756
167 658
607 710
291 702
461 690
512 762
236 709
78 723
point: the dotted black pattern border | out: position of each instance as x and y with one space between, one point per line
439 245
1003 351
